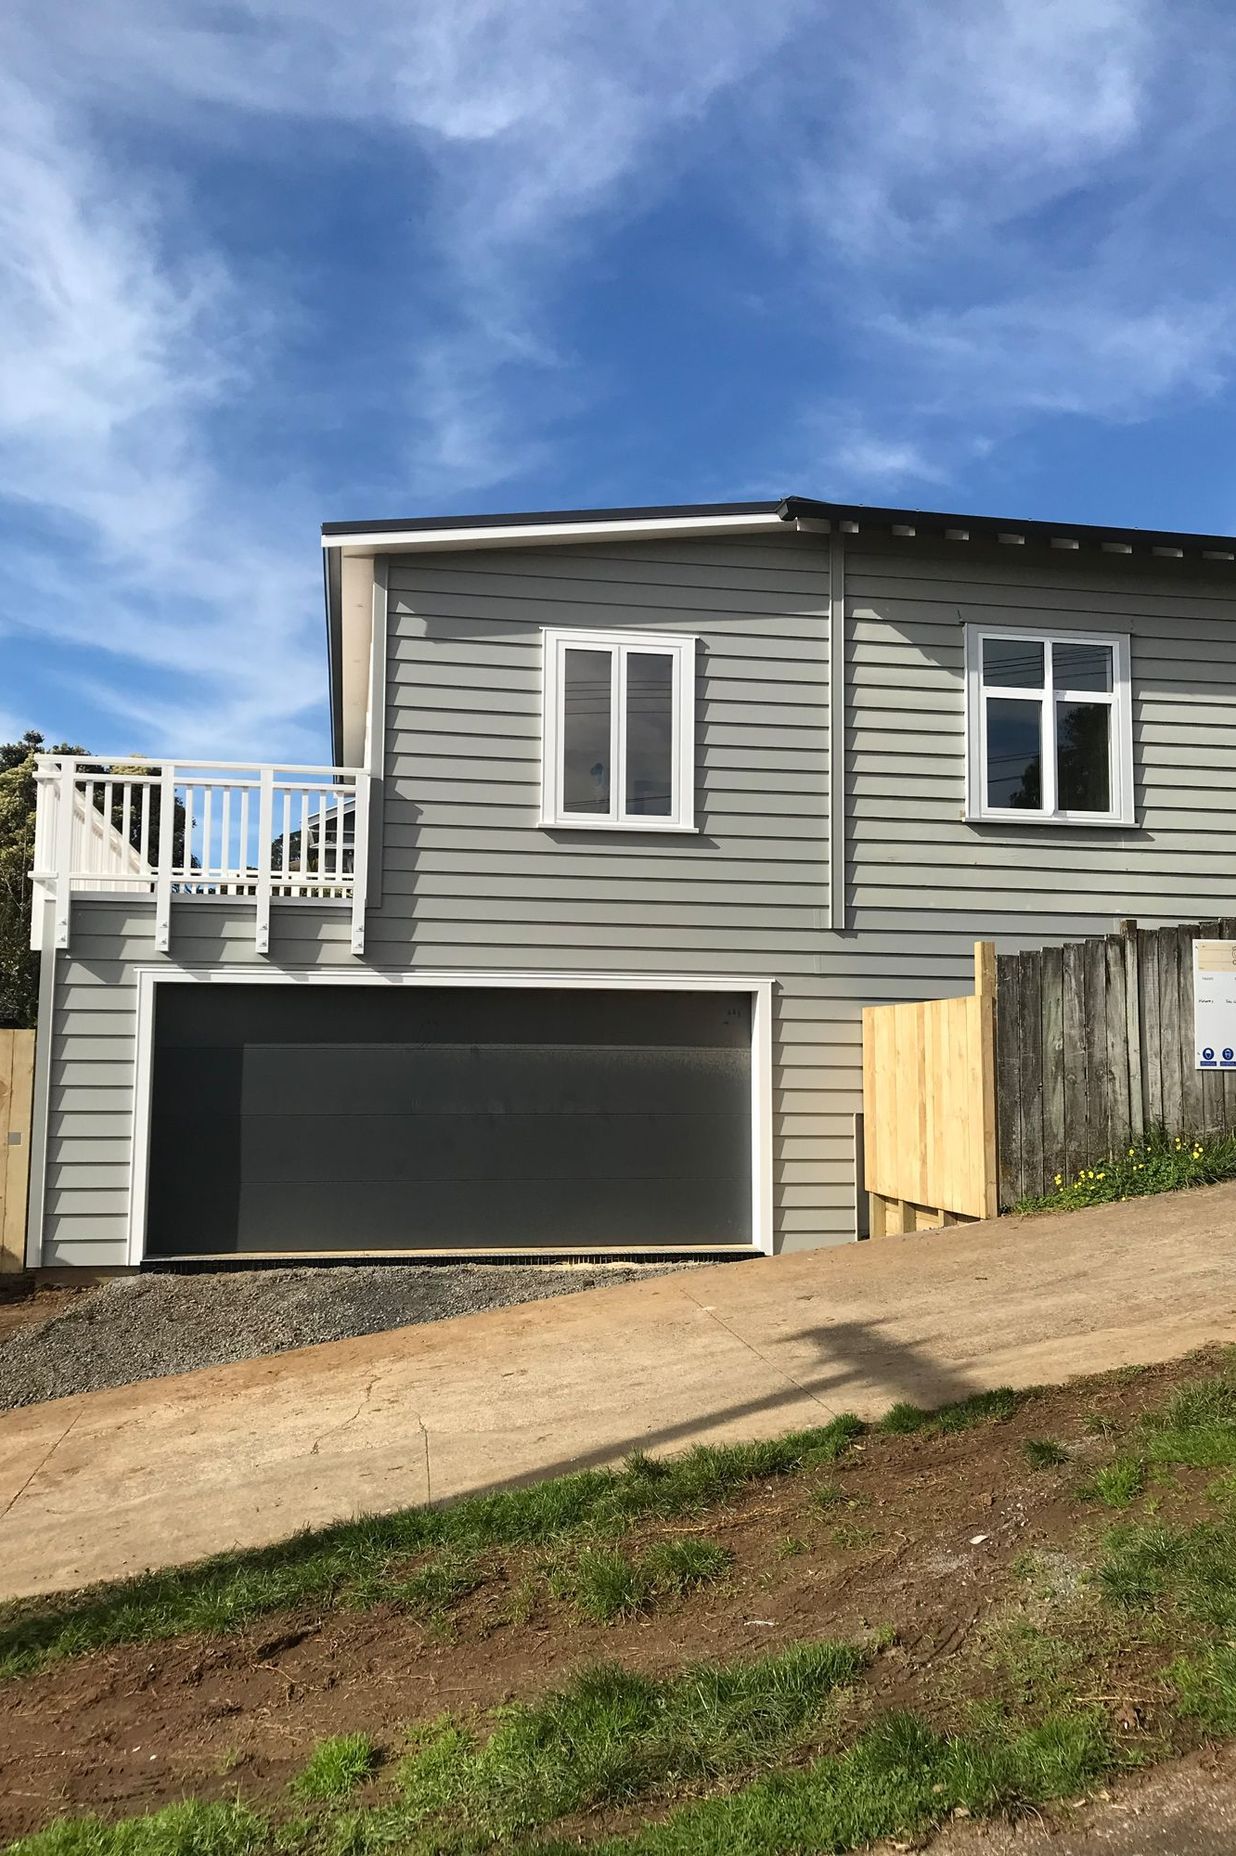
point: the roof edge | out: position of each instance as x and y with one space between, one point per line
527 527
954 526
529 518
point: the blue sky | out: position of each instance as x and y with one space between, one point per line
264 265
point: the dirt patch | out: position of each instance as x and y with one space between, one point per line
923 1535
61 1341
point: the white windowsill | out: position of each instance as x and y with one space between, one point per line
1079 819
613 824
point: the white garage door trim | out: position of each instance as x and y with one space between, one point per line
760 991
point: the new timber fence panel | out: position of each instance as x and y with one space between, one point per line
16 1102
929 1096
1094 1045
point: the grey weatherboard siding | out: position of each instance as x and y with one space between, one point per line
470 881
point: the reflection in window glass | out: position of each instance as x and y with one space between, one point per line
586 730
650 733
1013 663
1083 756
1082 666
1014 754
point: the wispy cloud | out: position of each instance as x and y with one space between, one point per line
970 221
1006 217
135 336
125 538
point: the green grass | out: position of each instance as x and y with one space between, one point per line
1044 1453
603 1583
187 1829
983 1408
1196 1427
897 1780
1149 1563
336 1767
1205 1688
363 1561
677 1565
1161 1162
1117 1484
610 1736
434 1589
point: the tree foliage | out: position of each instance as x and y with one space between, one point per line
19 966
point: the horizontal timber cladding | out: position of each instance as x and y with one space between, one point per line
469 881
913 856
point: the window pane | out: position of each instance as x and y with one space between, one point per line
585 730
1015 663
1082 666
650 733
1014 754
1083 756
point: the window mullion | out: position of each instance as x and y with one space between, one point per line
675 658
618 734
558 699
1049 731
984 792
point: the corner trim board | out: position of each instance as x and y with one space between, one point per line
375 729
836 732
40 1120
148 979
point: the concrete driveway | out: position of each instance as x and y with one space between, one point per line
112 1482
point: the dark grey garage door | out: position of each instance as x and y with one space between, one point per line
348 1118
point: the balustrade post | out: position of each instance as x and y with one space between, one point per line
66 799
166 854
360 860
266 832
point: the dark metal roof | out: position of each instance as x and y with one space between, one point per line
865 516
935 521
527 518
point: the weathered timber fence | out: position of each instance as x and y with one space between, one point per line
1094 1045
929 1107
16 1101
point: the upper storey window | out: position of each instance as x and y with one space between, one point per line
618 740
1049 727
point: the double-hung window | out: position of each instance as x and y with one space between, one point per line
618 736
1049 726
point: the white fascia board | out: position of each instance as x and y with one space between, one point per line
530 534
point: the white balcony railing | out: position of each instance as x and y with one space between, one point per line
201 828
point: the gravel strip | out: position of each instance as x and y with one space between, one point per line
141 1327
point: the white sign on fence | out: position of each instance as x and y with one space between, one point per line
1214 1004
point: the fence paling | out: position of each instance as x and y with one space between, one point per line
1095 1045
929 1107
16 1103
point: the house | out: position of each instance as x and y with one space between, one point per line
630 812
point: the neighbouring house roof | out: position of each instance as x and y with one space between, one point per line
547 527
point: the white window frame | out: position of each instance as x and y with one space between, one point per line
681 650
1119 699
